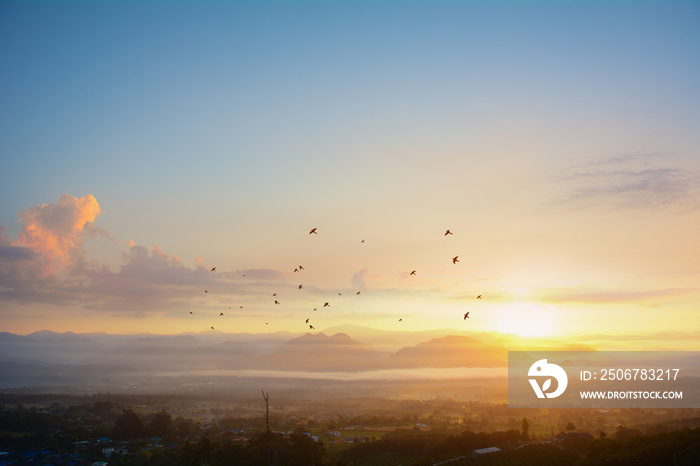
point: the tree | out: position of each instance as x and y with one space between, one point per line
304 450
525 427
161 424
570 426
624 433
128 426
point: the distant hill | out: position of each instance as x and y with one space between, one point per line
47 347
450 351
183 341
319 352
47 357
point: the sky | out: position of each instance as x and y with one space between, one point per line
144 143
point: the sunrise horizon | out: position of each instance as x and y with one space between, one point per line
349 232
534 165
147 290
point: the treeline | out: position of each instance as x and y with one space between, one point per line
297 449
102 418
627 447
242 441
425 447
631 447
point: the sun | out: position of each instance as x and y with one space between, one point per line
526 319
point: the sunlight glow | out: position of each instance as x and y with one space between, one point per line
526 319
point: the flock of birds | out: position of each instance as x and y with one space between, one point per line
314 231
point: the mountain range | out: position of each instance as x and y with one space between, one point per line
47 357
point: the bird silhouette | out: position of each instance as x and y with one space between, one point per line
478 297
301 268
357 293
466 316
274 294
326 305
313 230
454 259
314 309
212 328
300 286
191 312
311 327
362 241
296 270
340 294
400 320
412 273
221 314
213 269
206 291
448 232
276 302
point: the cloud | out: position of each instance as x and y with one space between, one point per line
613 297
147 279
47 264
632 181
8 252
14 253
259 274
21 269
55 230
358 279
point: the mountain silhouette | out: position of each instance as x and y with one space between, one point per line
320 352
450 351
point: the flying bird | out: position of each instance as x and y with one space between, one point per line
314 309
357 293
454 259
221 314
301 268
212 328
191 312
340 294
276 302
466 316
448 232
274 294
296 270
311 327
326 305
400 320
362 241
213 269
478 297
300 286
313 230
307 321
412 273
206 291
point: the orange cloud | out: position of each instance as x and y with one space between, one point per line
55 230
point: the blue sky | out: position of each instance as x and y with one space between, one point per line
559 131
